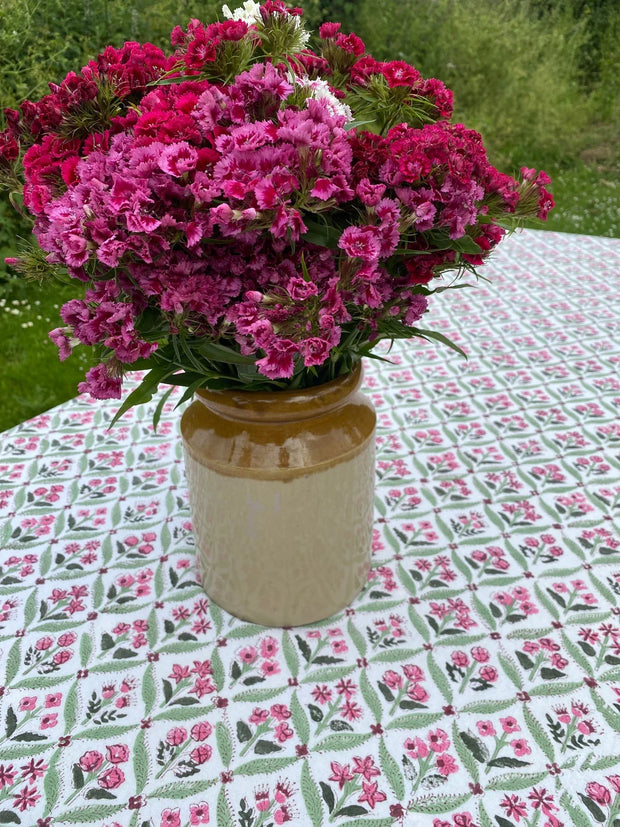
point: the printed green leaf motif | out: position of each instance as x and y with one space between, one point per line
438 804
103 732
149 691
328 796
415 720
244 733
515 781
391 770
332 673
263 747
26 750
299 719
359 641
484 612
439 678
370 697
475 745
70 708
97 813
612 717
219 678
342 741
351 810
578 817
224 743
595 810
180 713
546 689
465 754
507 761
418 624
257 695
30 609
264 766
483 817
311 796
510 669
605 763
394 655
51 785
179 791
538 733
86 648
488 707
12 663
140 761
8 817
246 630
290 654
368 822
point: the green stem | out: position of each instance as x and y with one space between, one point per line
499 743
569 731
423 766
331 711
539 660
468 675
260 729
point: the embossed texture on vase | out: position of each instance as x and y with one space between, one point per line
282 494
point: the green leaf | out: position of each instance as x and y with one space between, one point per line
12 662
224 743
475 745
439 337
51 785
578 817
290 655
244 733
7 817
439 804
370 697
177 791
144 392
328 796
299 719
439 678
465 754
219 677
97 813
333 673
515 781
415 720
507 761
510 668
538 733
160 407
594 809
391 770
182 713
265 766
484 612
358 640
70 708
140 761
257 695
30 608
488 707
11 722
612 718
311 796
418 624
547 689
262 747
342 741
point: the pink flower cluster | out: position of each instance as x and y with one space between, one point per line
243 212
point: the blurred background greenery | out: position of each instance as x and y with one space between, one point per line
540 79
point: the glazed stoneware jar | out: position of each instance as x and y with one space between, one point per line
281 491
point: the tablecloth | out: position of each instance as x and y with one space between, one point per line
475 681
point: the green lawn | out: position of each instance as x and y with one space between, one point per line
33 380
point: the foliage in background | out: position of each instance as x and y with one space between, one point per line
570 48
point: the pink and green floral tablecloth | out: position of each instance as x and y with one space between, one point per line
476 680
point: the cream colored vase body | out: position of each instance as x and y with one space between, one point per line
281 491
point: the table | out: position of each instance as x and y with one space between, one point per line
476 680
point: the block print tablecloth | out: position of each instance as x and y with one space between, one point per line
476 681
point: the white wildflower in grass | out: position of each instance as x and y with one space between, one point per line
249 13
320 90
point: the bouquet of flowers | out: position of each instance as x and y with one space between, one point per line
247 212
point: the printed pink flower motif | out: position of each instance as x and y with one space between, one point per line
171 818
117 753
446 765
176 736
111 779
510 724
438 740
29 703
485 728
597 792
520 747
91 761
201 754
340 773
201 731
371 794
416 747
198 814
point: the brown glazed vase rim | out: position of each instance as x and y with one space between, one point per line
279 406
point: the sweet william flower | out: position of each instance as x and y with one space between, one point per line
219 188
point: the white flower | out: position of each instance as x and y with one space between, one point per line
250 13
319 90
